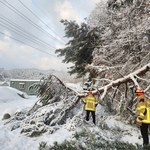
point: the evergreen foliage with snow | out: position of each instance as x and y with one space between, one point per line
50 90
82 41
86 140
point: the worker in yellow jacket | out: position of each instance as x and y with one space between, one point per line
143 115
90 105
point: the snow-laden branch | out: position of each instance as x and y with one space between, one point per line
130 77
125 79
147 80
104 92
102 79
147 88
103 68
135 81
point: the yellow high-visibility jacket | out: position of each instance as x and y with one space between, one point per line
143 109
90 102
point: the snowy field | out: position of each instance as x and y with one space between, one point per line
11 102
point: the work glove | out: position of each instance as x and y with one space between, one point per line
139 121
141 116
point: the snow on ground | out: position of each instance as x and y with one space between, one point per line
129 133
13 140
10 102
76 87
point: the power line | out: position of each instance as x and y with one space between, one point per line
27 44
41 20
21 29
48 18
18 33
26 18
44 12
23 33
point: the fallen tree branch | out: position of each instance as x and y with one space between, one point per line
125 79
147 80
118 82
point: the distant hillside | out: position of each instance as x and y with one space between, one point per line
32 73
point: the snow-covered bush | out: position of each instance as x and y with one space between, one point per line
88 141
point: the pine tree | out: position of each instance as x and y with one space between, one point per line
82 41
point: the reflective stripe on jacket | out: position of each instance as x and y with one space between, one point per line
90 103
143 109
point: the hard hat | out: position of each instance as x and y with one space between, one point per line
139 91
89 92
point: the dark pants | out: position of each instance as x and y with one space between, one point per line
88 114
144 133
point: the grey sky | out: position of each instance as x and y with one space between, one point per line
32 23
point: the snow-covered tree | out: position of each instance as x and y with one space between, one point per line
124 49
82 41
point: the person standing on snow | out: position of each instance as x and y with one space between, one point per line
143 115
90 106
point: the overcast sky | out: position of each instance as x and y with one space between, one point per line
30 31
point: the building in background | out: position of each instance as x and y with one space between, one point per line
24 85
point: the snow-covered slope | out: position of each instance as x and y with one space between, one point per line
75 129
11 102
9 94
